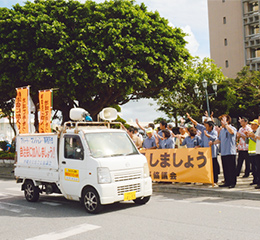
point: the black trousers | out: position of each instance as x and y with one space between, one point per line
257 161
253 159
243 155
229 169
216 169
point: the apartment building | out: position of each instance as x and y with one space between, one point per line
234 34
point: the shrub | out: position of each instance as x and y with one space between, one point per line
6 155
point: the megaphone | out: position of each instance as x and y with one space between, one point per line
78 114
108 114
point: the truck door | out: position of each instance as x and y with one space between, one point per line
72 165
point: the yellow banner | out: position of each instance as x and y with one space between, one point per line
180 165
22 110
45 99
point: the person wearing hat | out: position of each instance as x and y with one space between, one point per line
208 133
149 142
150 125
252 150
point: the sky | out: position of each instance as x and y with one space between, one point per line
189 15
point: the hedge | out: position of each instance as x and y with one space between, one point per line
6 155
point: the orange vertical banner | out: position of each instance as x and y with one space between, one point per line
45 99
22 109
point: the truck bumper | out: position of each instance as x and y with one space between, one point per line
114 192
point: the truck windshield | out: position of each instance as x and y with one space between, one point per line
109 144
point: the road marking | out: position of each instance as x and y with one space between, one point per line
5 195
16 189
228 205
51 204
11 207
193 201
2 207
66 233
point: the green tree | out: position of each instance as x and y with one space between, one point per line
158 120
99 54
177 101
226 98
240 96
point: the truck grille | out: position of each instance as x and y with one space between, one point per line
128 188
119 177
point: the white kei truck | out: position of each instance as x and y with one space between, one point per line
85 161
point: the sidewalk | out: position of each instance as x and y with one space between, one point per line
6 168
242 190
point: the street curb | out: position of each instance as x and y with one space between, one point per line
6 162
212 192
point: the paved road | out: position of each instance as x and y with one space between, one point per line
166 216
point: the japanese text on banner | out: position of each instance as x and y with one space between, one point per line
45 99
22 110
38 151
180 165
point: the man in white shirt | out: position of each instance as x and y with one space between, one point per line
242 147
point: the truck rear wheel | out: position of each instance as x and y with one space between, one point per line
91 200
31 192
142 200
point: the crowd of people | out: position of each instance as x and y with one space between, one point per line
233 145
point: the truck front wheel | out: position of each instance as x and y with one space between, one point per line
31 192
91 200
142 200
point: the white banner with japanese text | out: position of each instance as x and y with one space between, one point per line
37 151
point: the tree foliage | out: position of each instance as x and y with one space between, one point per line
237 97
240 96
181 99
7 111
99 54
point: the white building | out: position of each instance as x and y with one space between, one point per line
234 34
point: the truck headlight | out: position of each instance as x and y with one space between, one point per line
103 175
146 170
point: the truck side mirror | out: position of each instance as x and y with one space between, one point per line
79 153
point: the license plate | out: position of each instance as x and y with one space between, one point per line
129 196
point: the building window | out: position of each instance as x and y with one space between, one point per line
224 20
225 42
255 53
253 7
254 29
226 63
